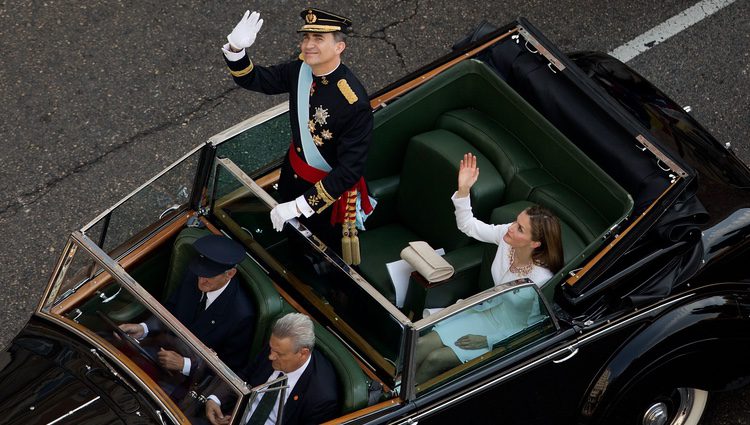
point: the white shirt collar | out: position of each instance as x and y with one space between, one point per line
213 295
293 377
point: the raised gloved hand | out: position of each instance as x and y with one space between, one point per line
282 213
243 34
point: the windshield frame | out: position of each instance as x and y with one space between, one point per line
78 240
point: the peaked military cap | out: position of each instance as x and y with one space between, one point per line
317 20
216 254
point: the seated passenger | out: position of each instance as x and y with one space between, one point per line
530 247
312 396
211 303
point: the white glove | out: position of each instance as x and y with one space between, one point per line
243 35
282 213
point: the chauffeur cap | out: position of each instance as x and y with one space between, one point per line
317 20
216 254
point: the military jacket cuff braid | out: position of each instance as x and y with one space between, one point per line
239 67
318 197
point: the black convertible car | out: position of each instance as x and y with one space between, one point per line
649 315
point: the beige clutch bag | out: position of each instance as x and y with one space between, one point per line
426 261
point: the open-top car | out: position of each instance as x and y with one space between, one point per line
650 313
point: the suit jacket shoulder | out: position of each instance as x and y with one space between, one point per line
315 398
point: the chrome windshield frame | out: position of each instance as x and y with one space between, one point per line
481 297
118 273
249 123
258 191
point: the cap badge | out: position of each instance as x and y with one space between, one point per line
310 18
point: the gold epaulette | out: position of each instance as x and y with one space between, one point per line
321 200
243 72
347 91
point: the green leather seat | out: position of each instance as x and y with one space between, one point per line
523 160
422 206
353 382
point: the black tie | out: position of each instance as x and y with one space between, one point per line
201 305
266 404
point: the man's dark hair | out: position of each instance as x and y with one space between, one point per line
339 36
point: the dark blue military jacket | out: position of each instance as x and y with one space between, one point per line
340 124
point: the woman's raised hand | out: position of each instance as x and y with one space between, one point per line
468 173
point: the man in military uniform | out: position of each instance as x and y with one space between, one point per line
321 177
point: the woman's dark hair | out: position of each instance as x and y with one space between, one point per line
545 229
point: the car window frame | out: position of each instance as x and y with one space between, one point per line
79 240
463 305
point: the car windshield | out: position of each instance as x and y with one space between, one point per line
312 270
114 274
106 300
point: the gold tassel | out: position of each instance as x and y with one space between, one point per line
350 221
356 258
346 244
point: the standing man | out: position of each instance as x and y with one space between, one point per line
211 303
312 396
321 177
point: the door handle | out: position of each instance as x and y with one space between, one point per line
573 351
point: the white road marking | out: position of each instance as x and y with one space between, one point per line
668 28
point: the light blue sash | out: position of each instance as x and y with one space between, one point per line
312 154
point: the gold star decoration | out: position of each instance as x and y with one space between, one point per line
326 134
311 126
318 140
313 199
321 115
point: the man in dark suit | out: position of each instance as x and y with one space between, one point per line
211 303
312 396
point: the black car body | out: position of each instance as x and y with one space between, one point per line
650 313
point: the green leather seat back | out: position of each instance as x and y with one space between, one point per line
353 383
268 302
505 152
182 253
422 203
428 179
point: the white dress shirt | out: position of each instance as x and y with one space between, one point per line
292 379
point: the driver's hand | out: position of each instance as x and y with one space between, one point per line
133 329
170 360
214 415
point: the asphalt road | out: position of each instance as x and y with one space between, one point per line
99 96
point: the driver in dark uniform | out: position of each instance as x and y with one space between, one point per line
211 303
321 177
